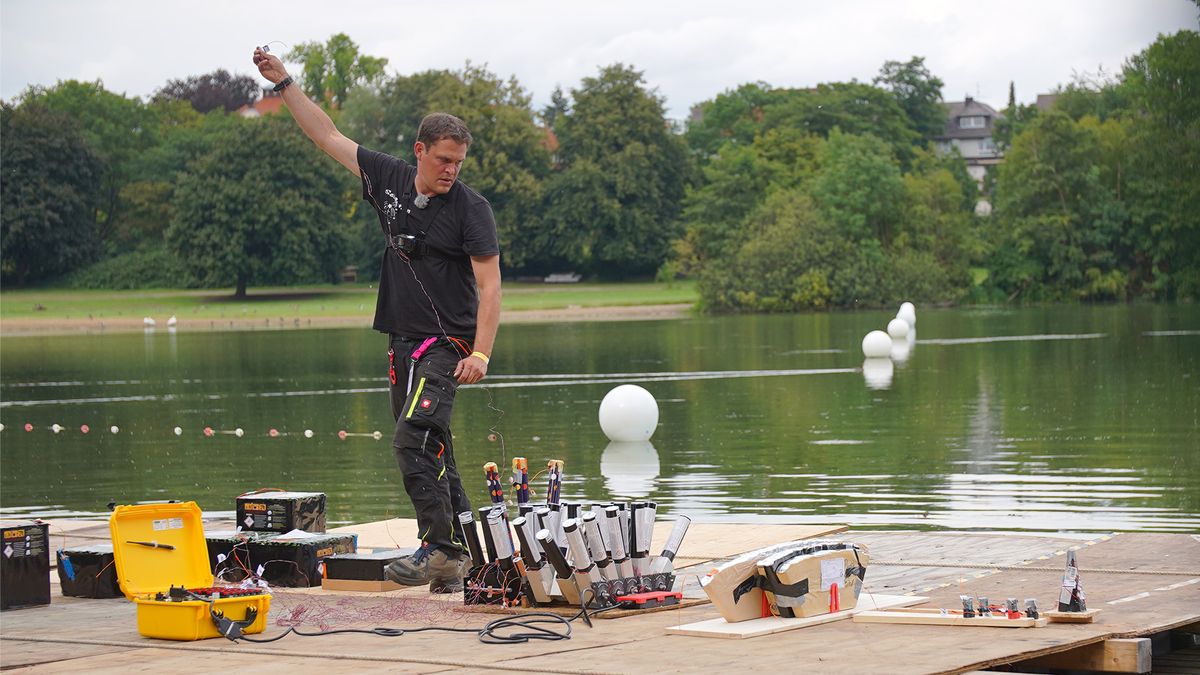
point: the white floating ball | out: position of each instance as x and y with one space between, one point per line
114 428
376 435
178 431
1 427
909 313
898 328
877 345
308 433
628 413
55 427
238 432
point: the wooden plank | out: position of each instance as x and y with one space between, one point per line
934 617
720 628
1115 655
1071 617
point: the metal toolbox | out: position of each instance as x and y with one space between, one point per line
162 566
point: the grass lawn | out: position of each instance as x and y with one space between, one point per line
343 300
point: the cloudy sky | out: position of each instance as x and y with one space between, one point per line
690 51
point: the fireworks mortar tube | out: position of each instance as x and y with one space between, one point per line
471 534
555 525
538 572
498 526
616 540
554 473
587 575
562 571
520 481
666 561
596 546
488 542
492 473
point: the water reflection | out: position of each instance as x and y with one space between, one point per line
878 373
630 468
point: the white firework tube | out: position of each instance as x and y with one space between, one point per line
586 572
612 519
596 545
666 561
498 524
539 573
553 522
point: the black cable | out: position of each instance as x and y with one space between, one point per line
532 622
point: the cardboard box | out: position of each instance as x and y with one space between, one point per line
281 511
160 546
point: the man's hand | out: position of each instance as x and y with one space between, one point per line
269 65
470 370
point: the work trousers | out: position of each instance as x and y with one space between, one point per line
422 440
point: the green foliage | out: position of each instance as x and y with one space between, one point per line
859 188
919 93
240 220
332 69
151 267
47 194
612 208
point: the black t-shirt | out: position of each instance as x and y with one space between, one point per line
440 283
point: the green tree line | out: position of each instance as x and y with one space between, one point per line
774 199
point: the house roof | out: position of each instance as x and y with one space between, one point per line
969 108
264 106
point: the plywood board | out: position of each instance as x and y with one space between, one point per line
935 617
720 628
1071 617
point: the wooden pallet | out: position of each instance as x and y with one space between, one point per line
935 617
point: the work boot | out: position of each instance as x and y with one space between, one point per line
411 570
446 572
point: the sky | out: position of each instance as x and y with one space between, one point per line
689 51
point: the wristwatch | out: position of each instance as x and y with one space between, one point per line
283 83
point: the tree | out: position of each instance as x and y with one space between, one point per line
47 194
734 116
332 69
265 206
918 92
118 129
217 89
623 177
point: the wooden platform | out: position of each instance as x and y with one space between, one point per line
1145 583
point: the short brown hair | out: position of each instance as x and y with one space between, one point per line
439 125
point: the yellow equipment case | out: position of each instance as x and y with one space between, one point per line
162 565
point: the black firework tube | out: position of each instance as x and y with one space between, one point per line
572 509
539 517
471 534
623 511
561 569
612 520
488 542
498 526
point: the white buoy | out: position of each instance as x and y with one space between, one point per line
1 426
376 435
308 433
877 345
114 428
55 427
178 431
897 328
628 413
172 321
878 373
238 432
148 321
908 312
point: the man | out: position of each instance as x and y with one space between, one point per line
439 300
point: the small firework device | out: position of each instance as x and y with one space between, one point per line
160 557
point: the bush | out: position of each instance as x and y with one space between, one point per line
153 267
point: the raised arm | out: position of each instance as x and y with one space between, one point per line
312 120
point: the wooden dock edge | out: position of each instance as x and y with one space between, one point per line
1114 655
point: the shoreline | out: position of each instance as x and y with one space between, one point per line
25 327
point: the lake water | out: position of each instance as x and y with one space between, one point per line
1069 418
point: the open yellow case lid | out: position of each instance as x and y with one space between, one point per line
156 546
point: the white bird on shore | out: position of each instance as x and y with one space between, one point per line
148 321
171 321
